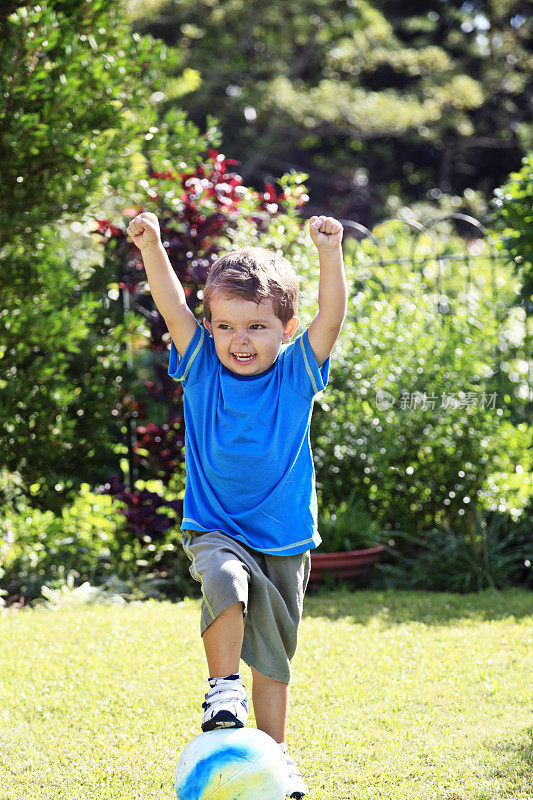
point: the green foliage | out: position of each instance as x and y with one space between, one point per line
87 543
366 97
478 553
62 362
414 420
45 547
349 527
80 97
70 596
281 230
372 114
77 88
513 214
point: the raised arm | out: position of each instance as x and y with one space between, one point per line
164 284
326 234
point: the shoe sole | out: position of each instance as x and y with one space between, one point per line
215 723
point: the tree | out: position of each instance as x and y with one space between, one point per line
513 214
367 98
78 100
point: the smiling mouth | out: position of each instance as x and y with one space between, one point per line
243 358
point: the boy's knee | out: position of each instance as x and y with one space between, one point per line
227 580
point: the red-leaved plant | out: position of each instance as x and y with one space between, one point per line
210 202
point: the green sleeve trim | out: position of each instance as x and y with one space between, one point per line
307 367
193 356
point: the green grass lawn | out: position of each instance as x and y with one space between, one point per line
395 695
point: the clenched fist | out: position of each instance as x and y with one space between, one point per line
326 232
144 230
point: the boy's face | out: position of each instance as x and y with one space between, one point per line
247 335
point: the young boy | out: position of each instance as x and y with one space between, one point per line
249 514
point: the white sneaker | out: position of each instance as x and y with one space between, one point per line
296 787
226 704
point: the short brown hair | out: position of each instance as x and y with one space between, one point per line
257 274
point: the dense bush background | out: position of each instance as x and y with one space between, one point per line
450 438
422 439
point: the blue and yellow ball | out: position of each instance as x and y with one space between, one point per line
231 764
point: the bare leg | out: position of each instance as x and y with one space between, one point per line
223 642
271 702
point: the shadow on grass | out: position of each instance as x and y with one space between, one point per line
515 759
431 608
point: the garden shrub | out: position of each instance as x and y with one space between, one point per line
89 541
480 552
513 215
349 527
411 421
128 535
80 93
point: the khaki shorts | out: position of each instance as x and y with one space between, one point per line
271 587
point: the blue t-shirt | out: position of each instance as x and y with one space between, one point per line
250 471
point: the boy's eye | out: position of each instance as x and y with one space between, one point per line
225 327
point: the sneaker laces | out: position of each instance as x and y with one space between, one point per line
230 689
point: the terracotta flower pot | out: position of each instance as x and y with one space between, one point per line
351 564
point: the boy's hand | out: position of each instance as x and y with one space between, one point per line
326 232
144 230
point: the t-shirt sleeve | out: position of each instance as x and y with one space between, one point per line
199 359
301 368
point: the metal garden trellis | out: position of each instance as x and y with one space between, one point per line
466 258
440 259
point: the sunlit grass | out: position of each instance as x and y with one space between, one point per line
395 696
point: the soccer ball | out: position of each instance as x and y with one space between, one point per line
231 764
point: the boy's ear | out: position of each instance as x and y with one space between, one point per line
207 326
290 329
